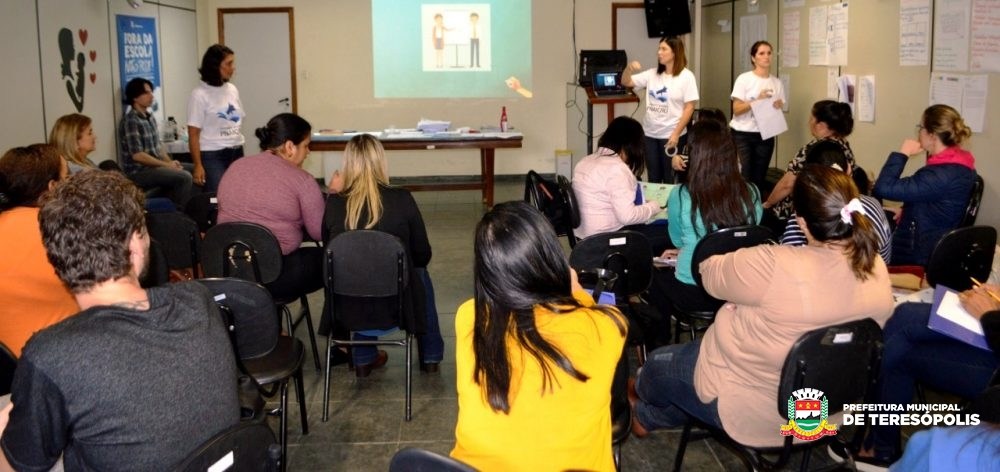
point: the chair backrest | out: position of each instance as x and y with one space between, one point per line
546 196
249 313
365 264
841 361
412 459
248 446
570 208
243 250
8 363
203 208
179 237
626 253
157 268
975 199
725 241
960 254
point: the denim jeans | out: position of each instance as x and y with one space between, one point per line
216 163
430 345
755 157
914 353
666 389
174 183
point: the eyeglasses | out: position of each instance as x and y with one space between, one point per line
920 127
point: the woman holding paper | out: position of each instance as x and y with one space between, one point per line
606 182
757 85
671 92
714 197
915 353
935 196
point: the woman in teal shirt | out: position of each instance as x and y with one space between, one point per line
715 196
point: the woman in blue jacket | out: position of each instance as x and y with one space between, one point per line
935 197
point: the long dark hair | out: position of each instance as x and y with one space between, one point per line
210 63
718 192
624 134
819 195
519 265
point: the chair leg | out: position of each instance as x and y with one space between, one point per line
283 434
326 380
616 451
300 393
681 446
409 376
307 314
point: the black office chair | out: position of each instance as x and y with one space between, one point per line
246 447
8 363
157 267
628 255
412 459
961 254
571 209
719 242
260 350
547 197
250 251
203 208
975 200
840 361
385 275
180 239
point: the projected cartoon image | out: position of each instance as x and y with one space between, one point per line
457 37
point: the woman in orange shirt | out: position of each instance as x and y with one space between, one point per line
33 297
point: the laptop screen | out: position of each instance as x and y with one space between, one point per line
606 81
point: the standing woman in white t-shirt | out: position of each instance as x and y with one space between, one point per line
671 92
215 114
757 84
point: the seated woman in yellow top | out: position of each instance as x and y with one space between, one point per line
535 356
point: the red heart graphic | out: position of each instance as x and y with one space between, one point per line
93 77
83 35
93 56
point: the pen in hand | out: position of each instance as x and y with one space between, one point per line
988 291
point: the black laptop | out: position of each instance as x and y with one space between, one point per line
607 83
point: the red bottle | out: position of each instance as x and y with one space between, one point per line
503 120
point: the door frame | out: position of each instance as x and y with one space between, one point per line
291 39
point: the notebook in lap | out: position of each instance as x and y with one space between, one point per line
608 84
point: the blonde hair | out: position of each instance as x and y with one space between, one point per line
945 122
364 171
66 133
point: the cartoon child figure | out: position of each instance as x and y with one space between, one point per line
437 36
474 40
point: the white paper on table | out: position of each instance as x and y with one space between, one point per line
974 96
865 94
791 32
914 32
985 52
770 120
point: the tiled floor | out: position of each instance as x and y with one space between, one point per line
366 425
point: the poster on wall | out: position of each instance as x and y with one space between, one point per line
138 55
75 58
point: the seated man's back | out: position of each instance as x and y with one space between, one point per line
136 390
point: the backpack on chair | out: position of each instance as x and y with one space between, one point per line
544 195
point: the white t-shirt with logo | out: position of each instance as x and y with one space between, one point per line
666 96
746 88
218 112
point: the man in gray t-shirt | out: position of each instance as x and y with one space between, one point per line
139 378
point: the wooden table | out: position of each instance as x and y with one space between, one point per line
486 145
610 102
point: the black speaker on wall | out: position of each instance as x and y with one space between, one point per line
667 18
